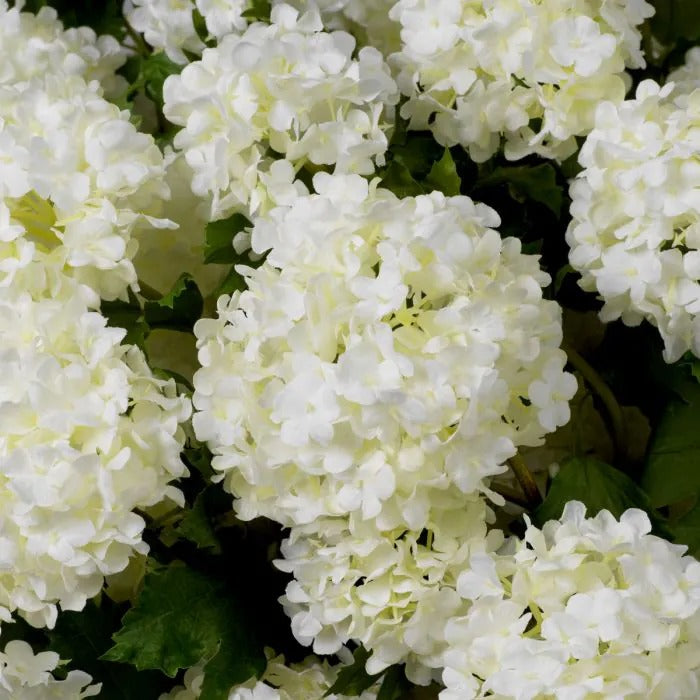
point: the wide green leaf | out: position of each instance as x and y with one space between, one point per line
196 527
672 467
183 618
83 636
687 531
218 247
595 483
443 175
538 183
353 679
179 309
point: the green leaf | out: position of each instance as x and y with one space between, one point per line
687 531
218 247
84 636
672 467
195 525
538 183
259 11
676 19
595 483
443 175
179 309
182 618
353 679
399 180
127 315
394 686
155 68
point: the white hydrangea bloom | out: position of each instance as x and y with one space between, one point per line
529 71
79 178
584 608
635 231
686 78
367 20
393 591
27 676
35 45
88 435
287 86
310 679
384 353
171 24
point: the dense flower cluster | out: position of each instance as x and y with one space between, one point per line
27 676
88 436
636 214
172 25
585 607
36 44
686 77
287 86
310 679
387 351
529 71
367 20
78 177
394 591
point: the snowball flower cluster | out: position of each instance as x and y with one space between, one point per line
310 679
529 71
27 676
393 591
78 177
172 25
88 435
583 608
287 86
635 232
686 77
37 44
387 351
367 20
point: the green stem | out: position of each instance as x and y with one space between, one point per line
526 480
604 393
141 46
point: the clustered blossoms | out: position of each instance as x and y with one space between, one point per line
172 25
78 177
635 232
287 87
387 359
530 72
393 590
583 608
88 433
387 350
33 45
27 676
310 679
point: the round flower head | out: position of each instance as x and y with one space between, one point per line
386 351
583 608
287 86
27 676
36 45
88 435
392 591
686 77
78 178
310 679
529 71
172 25
635 231
367 20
